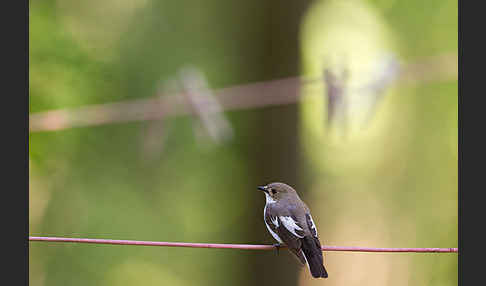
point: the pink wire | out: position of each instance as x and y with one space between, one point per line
232 246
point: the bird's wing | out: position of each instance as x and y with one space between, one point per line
292 224
311 246
304 230
272 224
313 229
311 225
280 225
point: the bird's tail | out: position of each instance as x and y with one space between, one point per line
311 247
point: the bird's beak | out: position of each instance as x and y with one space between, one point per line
263 188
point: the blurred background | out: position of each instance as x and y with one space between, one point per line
369 139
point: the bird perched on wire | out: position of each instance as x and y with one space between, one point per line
289 221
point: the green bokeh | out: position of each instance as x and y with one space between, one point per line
100 182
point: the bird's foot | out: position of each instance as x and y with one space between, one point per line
277 246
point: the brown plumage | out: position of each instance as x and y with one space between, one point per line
289 221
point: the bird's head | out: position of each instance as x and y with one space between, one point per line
275 192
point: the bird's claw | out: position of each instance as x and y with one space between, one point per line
277 246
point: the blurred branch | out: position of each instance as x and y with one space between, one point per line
204 105
336 92
232 246
253 95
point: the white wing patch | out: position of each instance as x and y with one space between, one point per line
313 226
291 225
274 221
275 236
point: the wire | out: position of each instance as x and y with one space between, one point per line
253 95
233 246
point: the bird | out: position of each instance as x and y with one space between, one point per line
289 221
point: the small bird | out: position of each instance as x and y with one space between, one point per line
289 221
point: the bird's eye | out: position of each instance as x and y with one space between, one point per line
272 191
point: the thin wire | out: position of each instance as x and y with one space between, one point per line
234 246
253 95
